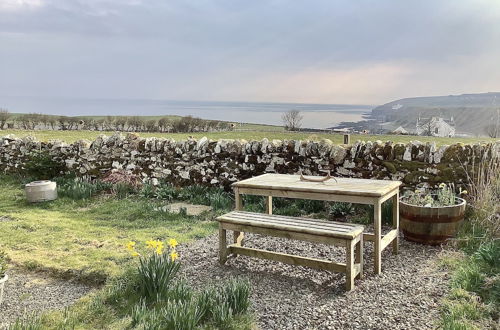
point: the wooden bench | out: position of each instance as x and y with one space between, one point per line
311 230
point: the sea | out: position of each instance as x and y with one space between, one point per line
318 116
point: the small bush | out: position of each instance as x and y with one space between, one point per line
147 191
237 295
78 188
180 315
338 209
166 192
220 200
155 276
27 322
123 189
40 165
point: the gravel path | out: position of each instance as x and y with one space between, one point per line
27 293
405 296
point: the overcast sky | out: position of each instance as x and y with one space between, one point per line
353 51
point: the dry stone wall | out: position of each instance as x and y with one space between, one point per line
222 162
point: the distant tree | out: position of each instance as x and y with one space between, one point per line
63 122
493 129
120 123
150 125
52 122
135 123
292 120
4 116
164 124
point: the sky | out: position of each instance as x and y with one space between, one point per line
343 52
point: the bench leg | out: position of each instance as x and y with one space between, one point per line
359 256
222 245
350 271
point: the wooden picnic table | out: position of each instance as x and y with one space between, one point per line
358 191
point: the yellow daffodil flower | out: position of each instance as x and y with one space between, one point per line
464 192
159 247
134 254
151 244
442 185
130 245
174 255
172 242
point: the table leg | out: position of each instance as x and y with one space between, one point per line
269 204
237 235
377 257
349 281
395 222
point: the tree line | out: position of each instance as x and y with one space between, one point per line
186 124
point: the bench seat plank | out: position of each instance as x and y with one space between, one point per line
301 225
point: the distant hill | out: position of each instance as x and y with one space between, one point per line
471 112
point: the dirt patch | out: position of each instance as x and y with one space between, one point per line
191 209
27 293
405 296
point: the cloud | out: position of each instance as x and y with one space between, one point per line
316 51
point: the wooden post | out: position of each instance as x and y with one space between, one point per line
359 256
395 222
269 204
238 236
347 139
349 282
377 222
222 245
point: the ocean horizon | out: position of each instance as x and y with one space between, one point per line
314 115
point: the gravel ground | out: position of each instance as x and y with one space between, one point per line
27 293
405 296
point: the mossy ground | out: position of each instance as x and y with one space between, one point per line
85 239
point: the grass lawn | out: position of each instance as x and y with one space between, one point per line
85 238
250 133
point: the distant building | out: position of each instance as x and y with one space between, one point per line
436 126
400 130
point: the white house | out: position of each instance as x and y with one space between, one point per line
436 126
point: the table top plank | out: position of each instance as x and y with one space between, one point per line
343 186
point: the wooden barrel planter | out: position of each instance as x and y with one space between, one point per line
41 191
430 225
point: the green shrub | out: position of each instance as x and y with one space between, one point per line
180 315
155 275
237 295
338 209
123 189
166 192
147 191
27 322
196 194
40 165
79 188
469 277
220 200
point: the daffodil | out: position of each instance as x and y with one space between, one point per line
172 242
134 254
130 245
442 185
159 247
174 255
464 192
151 244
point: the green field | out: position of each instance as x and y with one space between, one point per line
249 132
